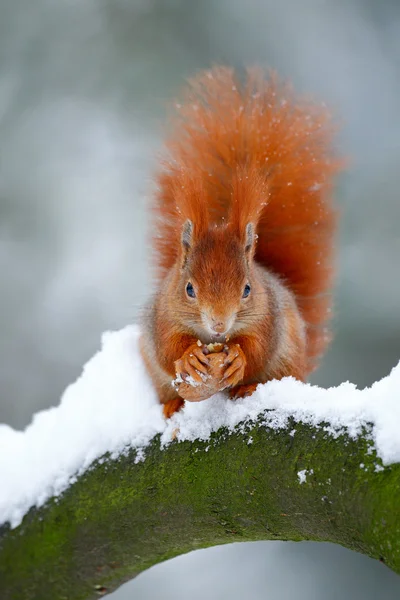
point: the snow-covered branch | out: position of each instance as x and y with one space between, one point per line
101 487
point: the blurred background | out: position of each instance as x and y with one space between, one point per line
83 93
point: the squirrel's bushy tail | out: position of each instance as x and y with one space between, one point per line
253 151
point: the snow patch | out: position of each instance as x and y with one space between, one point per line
112 407
302 475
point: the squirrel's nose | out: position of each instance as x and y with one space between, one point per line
219 326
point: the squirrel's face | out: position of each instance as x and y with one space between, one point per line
216 283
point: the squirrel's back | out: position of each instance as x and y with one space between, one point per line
256 150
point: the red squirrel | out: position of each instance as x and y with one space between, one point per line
243 234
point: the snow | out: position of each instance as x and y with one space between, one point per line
112 407
189 380
302 475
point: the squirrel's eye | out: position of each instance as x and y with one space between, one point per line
190 290
246 291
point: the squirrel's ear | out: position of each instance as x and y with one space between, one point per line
186 239
250 240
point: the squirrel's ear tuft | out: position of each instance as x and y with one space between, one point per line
187 235
250 240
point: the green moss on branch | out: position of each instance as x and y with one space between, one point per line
121 518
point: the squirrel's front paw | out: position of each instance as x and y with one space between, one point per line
235 363
193 364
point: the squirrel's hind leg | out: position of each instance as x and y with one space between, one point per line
172 406
167 396
241 391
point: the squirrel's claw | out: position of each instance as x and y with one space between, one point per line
236 364
193 364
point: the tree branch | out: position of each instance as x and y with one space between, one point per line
122 517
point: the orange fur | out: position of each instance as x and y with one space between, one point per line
254 152
172 406
241 391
